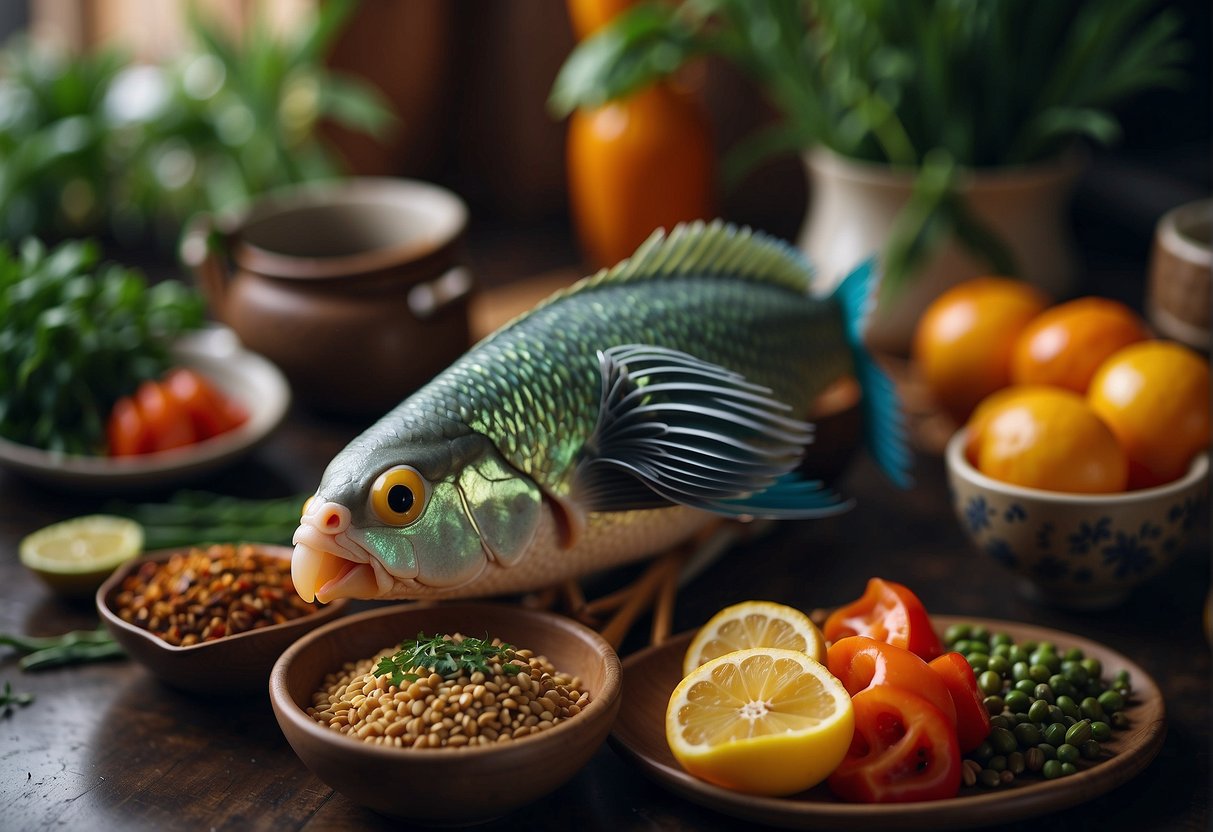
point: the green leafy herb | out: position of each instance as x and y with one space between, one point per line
74 337
191 518
9 699
449 659
75 647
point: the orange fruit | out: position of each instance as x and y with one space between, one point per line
1064 345
1049 438
1155 398
963 341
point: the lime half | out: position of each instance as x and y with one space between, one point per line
75 557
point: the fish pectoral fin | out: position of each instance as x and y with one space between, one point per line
673 429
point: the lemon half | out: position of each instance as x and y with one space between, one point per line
754 624
762 721
75 557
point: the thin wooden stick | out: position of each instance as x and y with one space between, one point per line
667 595
641 596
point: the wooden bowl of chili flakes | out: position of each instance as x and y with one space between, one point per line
209 619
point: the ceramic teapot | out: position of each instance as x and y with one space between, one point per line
355 288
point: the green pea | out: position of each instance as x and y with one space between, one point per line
1093 667
1049 660
997 763
990 682
1049 751
1068 706
1002 639
1044 693
1055 734
1090 750
1067 753
1000 665
956 632
1055 714
1046 647
1101 731
1005 721
983 752
1051 769
988 777
1017 701
1120 687
1110 700
994 705
1073 655
978 661
1079 732
1039 673
1119 719
1002 740
1019 670
1039 711
1025 686
1061 685
1017 654
1075 673
1028 645
1092 710
1068 769
1027 735
979 633
1015 762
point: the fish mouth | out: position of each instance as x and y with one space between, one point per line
326 567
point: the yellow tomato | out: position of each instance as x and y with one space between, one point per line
637 164
1049 438
1155 397
963 342
1064 345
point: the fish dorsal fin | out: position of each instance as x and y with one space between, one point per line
673 429
706 249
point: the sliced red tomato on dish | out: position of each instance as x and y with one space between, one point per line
166 418
889 612
972 718
860 662
126 431
210 411
904 749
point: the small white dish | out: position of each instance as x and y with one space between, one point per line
215 352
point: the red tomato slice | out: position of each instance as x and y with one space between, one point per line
904 749
886 612
166 418
210 411
126 431
860 663
972 718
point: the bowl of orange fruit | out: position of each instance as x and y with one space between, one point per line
1082 460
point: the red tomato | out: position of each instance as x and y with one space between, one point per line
210 411
904 749
886 612
972 718
860 663
126 431
166 418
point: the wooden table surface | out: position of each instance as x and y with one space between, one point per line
106 746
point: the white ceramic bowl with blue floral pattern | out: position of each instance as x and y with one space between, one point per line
1085 551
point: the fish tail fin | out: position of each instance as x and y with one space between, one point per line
883 422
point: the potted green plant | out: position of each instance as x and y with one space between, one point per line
944 134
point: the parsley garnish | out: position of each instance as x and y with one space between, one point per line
447 658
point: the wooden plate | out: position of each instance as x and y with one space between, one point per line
649 677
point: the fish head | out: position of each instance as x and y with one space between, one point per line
413 520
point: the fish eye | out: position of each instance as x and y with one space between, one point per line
399 495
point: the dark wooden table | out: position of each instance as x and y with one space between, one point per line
106 746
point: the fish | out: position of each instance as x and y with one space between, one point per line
609 423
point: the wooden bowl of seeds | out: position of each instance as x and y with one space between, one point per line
209 619
447 713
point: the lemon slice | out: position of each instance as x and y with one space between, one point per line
761 720
754 624
75 557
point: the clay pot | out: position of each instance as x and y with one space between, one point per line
855 204
356 289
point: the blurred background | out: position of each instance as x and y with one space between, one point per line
466 84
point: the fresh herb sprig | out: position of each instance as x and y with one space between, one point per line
446 657
10 699
75 647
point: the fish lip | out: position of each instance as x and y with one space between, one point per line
347 547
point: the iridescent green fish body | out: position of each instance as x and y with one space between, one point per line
603 426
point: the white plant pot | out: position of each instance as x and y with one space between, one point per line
854 204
